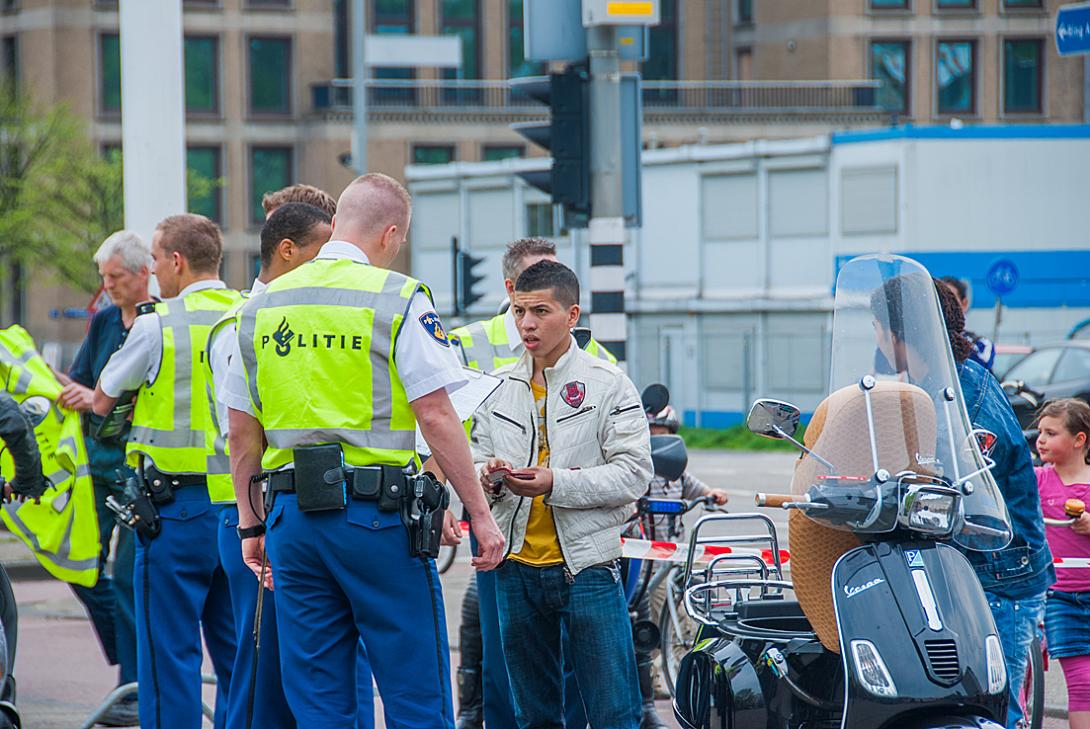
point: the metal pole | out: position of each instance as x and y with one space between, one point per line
606 232
359 88
152 113
456 307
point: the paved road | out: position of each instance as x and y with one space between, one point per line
62 675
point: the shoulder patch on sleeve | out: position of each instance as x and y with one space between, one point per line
147 307
434 327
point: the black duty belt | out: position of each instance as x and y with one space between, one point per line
173 480
365 483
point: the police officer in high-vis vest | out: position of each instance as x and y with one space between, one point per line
291 236
342 358
179 582
488 345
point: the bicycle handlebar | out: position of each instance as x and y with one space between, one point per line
774 501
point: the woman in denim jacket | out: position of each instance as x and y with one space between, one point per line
1015 578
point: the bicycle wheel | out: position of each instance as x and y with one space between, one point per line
1032 695
678 631
445 558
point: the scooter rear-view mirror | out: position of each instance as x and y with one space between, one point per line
773 419
655 398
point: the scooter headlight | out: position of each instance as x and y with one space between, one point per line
871 670
930 511
997 668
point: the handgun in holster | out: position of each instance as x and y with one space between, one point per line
135 509
422 513
115 426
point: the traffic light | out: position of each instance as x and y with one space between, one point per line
566 135
467 280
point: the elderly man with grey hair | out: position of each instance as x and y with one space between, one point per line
124 262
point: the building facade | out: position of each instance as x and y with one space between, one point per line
267 103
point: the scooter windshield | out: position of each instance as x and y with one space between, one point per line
892 444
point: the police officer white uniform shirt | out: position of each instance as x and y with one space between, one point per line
223 349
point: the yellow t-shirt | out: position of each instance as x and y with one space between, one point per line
541 547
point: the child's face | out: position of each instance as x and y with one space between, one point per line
659 430
1056 444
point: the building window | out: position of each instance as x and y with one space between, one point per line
462 18
889 64
340 39
517 65
956 4
1023 72
540 220
493 152
745 11
432 154
271 169
268 3
743 64
9 59
955 76
111 152
201 74
109 63
889 4
393 17
662 54
204 172
270 75
1020 4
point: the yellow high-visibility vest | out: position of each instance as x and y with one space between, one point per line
220 488
485 345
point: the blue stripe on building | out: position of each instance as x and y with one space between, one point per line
975 131
1046 279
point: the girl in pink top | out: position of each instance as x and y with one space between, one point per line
1064 446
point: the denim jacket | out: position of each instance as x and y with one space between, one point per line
1024 568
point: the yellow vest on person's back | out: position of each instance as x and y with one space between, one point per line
171 420
317 346
220 488
486 346
61 530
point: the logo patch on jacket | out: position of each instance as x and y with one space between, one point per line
434 327
573 393
986 439
283 336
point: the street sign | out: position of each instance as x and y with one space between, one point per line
442 51
1073 29
615 12
553 31
1002 277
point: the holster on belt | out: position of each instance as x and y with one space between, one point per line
422 514
136 509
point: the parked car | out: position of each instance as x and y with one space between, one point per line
1006 355
1047 373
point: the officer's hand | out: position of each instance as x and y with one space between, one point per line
490 542
452 530
76 397
489 467
540 484
253 554
1082 524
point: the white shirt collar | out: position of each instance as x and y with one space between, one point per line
203 285
258 287
514 339
336 249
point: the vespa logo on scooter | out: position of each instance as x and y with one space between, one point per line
853 591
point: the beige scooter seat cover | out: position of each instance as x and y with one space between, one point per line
905 431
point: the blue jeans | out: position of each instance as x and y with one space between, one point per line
495 684
536 605
109 603
1016 621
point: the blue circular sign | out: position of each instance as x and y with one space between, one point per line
1002 277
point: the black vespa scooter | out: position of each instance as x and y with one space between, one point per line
896 464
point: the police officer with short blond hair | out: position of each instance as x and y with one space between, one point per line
342 357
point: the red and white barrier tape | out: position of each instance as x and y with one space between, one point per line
679 552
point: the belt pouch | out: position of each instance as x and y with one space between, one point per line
393 489
320 483
160 489
367 484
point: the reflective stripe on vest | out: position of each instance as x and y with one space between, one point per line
61 530
171 419
220 488
299 340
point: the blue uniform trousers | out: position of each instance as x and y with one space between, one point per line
180 589
499 708
270 705
345 575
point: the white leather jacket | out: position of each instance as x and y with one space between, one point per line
599 451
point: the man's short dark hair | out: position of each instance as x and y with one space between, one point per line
551 275
298 222
299 193
520 249
196 238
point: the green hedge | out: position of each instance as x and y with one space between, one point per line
735 438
